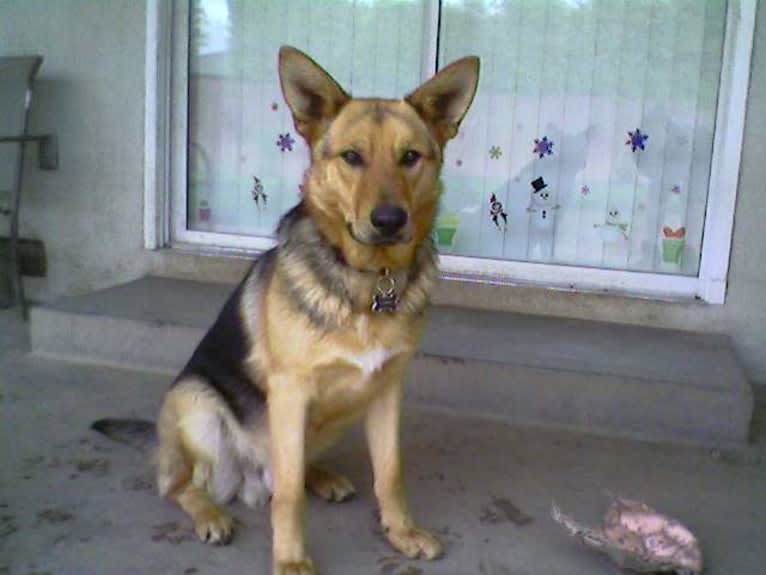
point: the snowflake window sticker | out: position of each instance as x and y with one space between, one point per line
636 140
285 142
495 152
257 192
543 147
585 190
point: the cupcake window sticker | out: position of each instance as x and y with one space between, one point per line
204 211
446 229
673 241
674 229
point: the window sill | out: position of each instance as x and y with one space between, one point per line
228 264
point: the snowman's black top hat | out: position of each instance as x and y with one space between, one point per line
538 184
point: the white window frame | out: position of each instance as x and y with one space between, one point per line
165 183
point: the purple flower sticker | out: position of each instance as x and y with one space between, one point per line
637 140
285 142
585 190
543 147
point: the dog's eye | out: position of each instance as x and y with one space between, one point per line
352 158
410 158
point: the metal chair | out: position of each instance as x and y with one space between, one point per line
17 76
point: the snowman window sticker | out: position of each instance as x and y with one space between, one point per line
541 204
614 228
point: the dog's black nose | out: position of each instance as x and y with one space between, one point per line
388 219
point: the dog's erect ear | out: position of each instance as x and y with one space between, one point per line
444 99
312 94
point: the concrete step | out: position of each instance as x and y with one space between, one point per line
605 378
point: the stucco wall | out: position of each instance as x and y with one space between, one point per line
89 213
90 93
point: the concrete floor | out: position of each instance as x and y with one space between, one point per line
71 502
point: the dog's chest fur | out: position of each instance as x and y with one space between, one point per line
370 361
351 372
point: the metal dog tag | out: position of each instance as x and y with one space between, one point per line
385 298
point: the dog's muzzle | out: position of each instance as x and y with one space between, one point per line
387 219
388 227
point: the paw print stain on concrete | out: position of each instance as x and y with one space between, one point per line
502 510
448 535
436 476
377 529
494 569
171 532
9 398
32 462
138 483
388 565
54 463
98 466
98 447
7 526
54 516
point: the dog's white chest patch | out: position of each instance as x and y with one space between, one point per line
372 360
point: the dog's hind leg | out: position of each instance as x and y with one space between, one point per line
329 485
195 464
322 482
211 523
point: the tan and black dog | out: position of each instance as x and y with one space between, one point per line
322 328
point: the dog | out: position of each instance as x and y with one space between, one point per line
322 328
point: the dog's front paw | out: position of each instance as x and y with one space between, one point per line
294 567
414 542
215 527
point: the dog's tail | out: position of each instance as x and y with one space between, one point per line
137 433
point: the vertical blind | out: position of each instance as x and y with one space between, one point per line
242 141
589 141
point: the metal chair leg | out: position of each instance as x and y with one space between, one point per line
18 283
